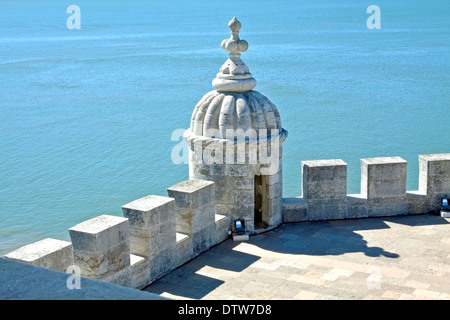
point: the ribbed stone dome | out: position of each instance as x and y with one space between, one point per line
222 111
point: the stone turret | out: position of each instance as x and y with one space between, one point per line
235 140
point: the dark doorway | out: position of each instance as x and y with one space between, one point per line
260 202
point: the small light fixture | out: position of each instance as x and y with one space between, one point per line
239 226
445 204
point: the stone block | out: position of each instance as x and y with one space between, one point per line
236 211
274 190
383 177
192 193
294 209
241 237
152 224
103 264
199 171
274 179
101 246
166 261
221 187
417 202
194 205
203 239
149 211
434 178
202 217
207 214
241 183
47 253
387 207
445 214
236 170
240 196
99 234
217 169
140 271
184 248
356 206
273 215
122 277
222 227
184 221
146 243
324 180
326 210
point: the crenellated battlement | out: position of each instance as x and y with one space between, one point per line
157 233
383 189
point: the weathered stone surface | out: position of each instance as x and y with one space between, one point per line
192 193
184 248
235 196
101 248
98 265
203 239
383 177
324 180
140 271
195 212
274 179
434 174
357 206
47 253
387 207
222 223
417 202
149 211
434 178
146 243
122 277
152 225
236 211
236 170
294 210
99 234
165 261
152 236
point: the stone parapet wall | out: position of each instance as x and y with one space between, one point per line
383 189
157 234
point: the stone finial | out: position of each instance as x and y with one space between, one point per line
234 44
234 75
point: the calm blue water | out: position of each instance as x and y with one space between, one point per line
86 116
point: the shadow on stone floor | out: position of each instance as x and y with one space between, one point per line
419 220
324 238
187 280
184 282
335 237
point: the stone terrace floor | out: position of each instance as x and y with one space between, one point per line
405 257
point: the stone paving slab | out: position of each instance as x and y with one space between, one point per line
400 258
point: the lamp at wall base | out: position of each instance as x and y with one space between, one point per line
445 208
239 226
239 233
